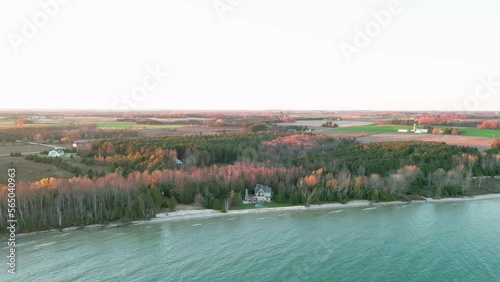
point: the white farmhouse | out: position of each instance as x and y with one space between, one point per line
263 193
56 153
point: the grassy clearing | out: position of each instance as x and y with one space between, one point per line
28 171
133 125
391 128
479 132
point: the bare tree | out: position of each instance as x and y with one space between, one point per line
455 178
398 184
228 200
410 173
439 179
375 182
38 138
468 181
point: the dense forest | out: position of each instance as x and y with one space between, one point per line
213 171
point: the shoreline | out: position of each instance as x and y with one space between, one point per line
461 199
186 215
208 213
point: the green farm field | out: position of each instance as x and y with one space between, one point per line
389 128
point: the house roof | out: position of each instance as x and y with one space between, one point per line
266 188
56 153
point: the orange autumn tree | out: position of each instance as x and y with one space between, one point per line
492 124
495 144
20 123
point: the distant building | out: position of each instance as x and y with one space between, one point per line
179 162
263 193
421 131
79 143
56 153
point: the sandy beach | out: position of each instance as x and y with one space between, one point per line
207 213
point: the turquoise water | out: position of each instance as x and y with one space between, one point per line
415 242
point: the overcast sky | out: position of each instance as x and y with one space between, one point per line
250 54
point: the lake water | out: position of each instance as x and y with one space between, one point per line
450 241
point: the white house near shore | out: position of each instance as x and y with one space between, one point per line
263 193
403 131
56 153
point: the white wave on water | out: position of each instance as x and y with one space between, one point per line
368 209
197 224
63 235
44 245
337 211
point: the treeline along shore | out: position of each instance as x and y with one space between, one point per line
213 171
